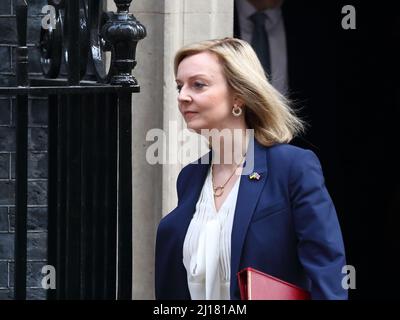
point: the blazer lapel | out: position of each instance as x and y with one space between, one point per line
248 195
196 177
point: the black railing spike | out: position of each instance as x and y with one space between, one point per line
22 21
21 185
22 50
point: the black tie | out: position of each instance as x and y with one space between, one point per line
259 40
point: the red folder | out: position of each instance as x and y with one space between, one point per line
256 285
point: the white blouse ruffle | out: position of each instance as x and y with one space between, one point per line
207 245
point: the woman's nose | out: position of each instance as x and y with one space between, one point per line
184 96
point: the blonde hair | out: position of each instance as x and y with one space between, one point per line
266 110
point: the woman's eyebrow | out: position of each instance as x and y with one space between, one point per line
193 76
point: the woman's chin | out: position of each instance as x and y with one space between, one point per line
192 125
196 130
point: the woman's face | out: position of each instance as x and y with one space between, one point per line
205 99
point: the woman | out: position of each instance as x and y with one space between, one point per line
279 219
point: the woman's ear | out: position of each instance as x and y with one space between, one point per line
238 101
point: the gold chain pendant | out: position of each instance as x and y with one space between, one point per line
218 191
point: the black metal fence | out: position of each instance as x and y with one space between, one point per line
90 151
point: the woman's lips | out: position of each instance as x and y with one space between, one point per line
189 115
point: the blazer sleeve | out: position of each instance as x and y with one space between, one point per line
320 244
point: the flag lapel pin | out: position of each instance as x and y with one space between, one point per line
254 176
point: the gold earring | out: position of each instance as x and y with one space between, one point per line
237 111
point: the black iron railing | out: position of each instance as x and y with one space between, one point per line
90 150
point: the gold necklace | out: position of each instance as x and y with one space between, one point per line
219 190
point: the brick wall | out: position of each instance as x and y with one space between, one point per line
37 156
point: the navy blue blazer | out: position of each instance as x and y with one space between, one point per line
285 224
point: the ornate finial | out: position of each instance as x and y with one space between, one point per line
123 5
123 32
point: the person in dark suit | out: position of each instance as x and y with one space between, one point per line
301 59
268 209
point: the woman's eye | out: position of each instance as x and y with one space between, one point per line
199 85
196 85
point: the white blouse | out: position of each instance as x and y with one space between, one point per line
207 245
